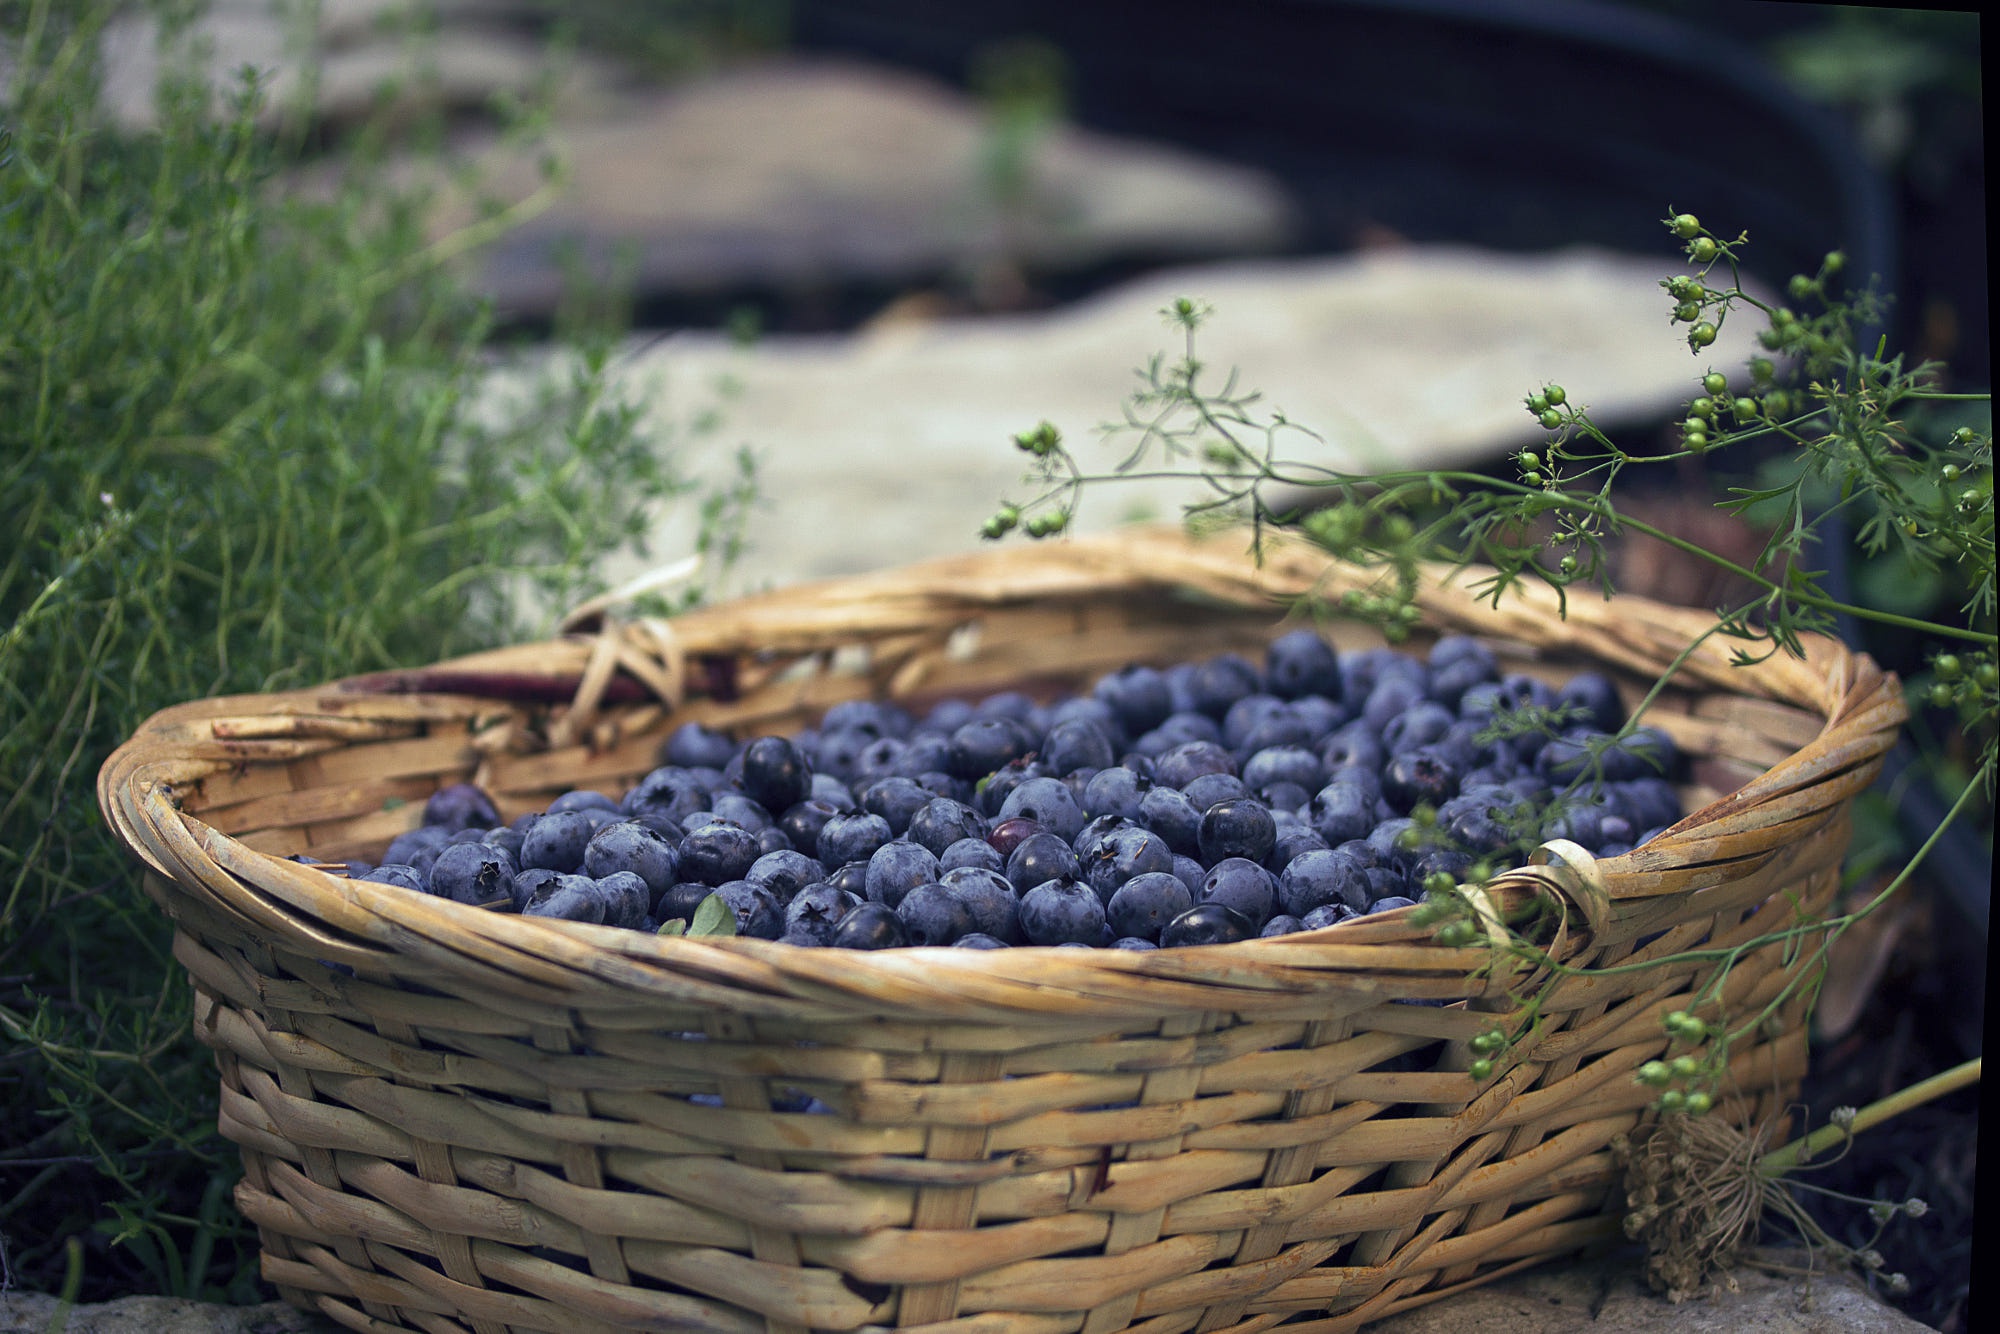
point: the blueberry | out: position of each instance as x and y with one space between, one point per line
834 793
1040 857
850 876
741 809
1132 943
1284 764
1321 877
582 799
1076 744
1352 746
803 822
948 715
972 852
1595 700
1240 828
1293 842
692 745
626 896
1139 697
757 910
897 867
990 898
672 792
1392 695
1190 760
679 902
1284 924
1006 835
1478 821
1190 873
630 846
988 745
1092 836
472 873
1649 803
1243 885
1286 728
417 847
1301 663
979 940
1115 791
572 898
509 840
558 840
785 872
852 838
1221 681
1418 777
1209 789
775 775
1331 914
817 909
871 926
1247 714
400 874
1207 924
1286 801
1390 904
1422 724
897 800
838 753
931 915
1341 811
1124 854
872 718
922 753
1452 862
1006 704
1168 813
1146 903
461 806
1061 911
1049 802
715 853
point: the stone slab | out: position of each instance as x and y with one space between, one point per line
891 445
1600 1295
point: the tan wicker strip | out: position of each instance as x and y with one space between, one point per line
453 1119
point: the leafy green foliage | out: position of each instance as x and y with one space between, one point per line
248 444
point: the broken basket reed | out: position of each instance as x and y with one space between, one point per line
454 1119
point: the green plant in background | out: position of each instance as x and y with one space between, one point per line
1852 431
247 443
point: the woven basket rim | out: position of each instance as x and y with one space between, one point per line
366 923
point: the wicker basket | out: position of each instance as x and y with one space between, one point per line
457 1119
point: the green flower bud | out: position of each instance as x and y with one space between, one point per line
1556 394
1481 1070
1715 382
1702 407
1697 1103
1673 1100
1687 312
1702 250
1550 419
1702 334
1801 287
1744 408
1685 225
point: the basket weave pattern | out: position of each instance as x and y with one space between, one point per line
455 1119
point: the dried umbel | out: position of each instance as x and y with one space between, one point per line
1697 1193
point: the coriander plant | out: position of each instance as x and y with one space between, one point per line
1833 429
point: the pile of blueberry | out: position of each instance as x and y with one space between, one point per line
1198 804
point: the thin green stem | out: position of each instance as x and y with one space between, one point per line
1781 1160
